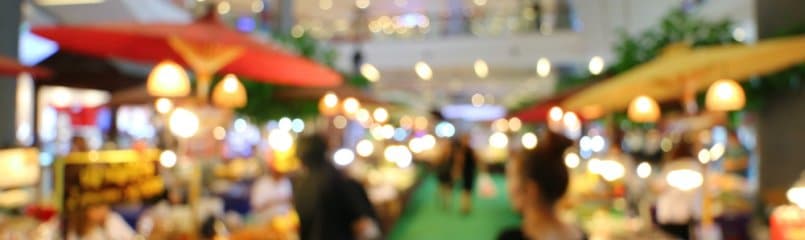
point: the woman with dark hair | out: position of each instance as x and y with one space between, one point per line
544 181
329 206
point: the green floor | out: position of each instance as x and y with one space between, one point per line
425 219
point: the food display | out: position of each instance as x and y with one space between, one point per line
106 177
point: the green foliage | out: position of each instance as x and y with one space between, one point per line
675 27
262 107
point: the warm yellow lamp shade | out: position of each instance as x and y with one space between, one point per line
644 109
725 95
328 105
168 79
229 93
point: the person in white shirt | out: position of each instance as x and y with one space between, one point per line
271 196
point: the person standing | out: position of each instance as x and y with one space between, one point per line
327 203
270 196
465 157
444 173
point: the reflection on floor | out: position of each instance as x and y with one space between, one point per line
425 219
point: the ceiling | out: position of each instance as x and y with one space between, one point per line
105 11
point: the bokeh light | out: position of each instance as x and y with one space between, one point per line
644 170
183 123
280 140
529 140
343 157
445 130
498 140
167 159
481 69
572 160
596 65
163 105
684 179
543 67
381 115
365 148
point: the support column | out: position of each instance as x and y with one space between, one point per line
285 16
10 16
780 120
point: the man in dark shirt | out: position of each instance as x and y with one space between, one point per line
328 205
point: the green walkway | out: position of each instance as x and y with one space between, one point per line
425 219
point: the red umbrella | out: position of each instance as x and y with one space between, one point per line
10 67
206 45
539 112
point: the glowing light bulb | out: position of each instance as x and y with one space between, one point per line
611 170
343 157
381 115
328 104
644 170
167 159
704 156
725 95
572 160
529 140
644 109
555 114
284 123
370 72
168 79
515 124
684 179
543 67
163 105
481 69
280 140
596 65
498 140
365 148
183 123
351 106
423 71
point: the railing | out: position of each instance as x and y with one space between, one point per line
432 26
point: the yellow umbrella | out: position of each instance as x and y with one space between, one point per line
681 71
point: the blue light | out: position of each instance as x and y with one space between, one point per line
445 130
400 134
45 159
298 125
246 24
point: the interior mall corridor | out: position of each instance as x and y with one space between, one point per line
425 219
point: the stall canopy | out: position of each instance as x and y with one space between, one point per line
10 67
538 113
681 70
206 45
